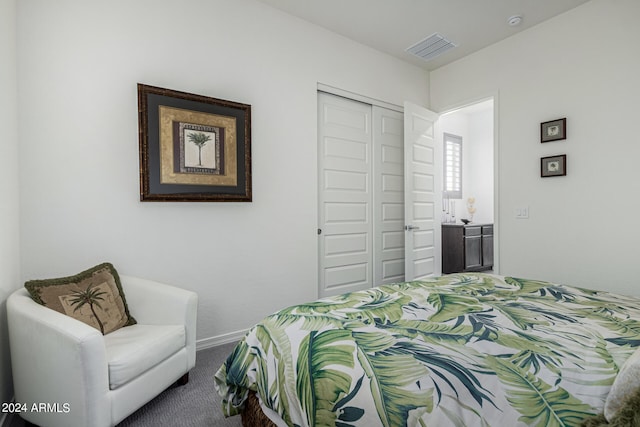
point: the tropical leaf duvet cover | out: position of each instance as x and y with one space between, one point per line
457 350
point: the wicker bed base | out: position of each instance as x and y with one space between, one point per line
252 415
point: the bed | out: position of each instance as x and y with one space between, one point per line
456 350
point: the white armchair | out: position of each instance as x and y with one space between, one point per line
87 379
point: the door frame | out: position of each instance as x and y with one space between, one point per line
496 165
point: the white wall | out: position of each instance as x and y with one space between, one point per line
582 65
9 213
480 182
79 63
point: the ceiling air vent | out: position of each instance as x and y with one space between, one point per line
432 46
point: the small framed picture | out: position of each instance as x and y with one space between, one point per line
553 166
554 130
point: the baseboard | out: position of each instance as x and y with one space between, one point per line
220 339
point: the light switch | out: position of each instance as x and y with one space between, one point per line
522 212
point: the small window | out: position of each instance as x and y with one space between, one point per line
452 187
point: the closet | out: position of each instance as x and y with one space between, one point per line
362 222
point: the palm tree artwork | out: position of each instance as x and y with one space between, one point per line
199 139
91 297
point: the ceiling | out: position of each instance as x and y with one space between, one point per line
392 26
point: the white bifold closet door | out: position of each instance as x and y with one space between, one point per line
362 226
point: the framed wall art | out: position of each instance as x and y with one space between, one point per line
193 148
553 166
554 130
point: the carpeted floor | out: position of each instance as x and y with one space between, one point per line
196 404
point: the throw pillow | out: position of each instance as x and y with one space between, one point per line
627 382
94 297
627 416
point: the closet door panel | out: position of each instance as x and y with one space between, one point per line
344 179
388 190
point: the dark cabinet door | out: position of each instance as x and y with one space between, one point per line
472 252
452 249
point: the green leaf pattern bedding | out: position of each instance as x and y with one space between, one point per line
457 350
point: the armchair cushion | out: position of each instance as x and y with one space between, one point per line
134 350
94 296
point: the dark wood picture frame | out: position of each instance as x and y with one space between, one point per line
553 130
193 148
553 166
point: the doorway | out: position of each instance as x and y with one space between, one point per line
473 125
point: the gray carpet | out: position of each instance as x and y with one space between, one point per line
196 404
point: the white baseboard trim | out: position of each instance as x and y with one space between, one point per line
203 343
